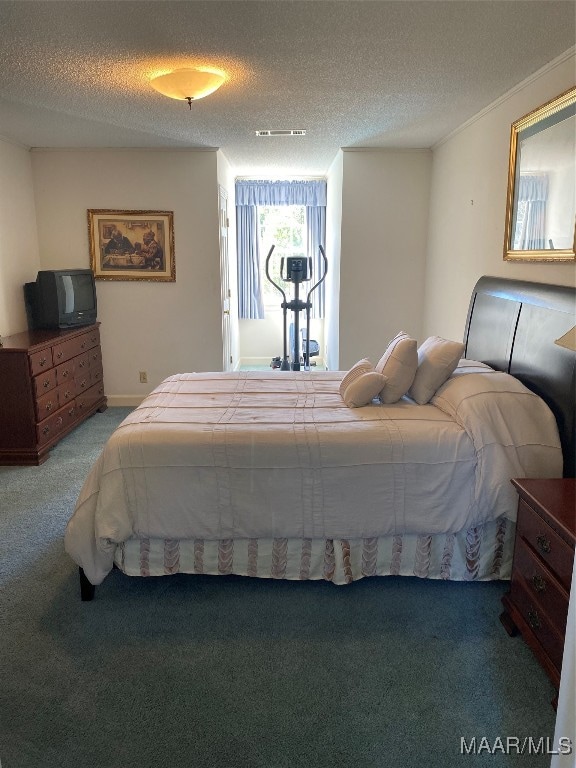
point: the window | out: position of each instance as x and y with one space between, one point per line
283 226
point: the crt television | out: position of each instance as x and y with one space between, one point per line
61 298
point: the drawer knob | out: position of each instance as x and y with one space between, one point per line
49 406
59 421
538 582
71 412
534 620
544 544
45 430
46 384
82 345
43 362
83 383
59 355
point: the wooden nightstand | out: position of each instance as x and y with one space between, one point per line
537 603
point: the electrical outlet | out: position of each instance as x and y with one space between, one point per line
143 377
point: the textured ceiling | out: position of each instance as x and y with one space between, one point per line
352 74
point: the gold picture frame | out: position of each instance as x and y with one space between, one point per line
132 245
541 198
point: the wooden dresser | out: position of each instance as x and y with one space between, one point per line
537 603
50 381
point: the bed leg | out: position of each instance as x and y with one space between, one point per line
87 589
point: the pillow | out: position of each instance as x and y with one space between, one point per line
398 364
362 366
363 389
437 360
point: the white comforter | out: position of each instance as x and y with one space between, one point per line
278 454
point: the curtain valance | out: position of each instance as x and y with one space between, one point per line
309 193
533 186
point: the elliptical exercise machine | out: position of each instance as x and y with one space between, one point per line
298 270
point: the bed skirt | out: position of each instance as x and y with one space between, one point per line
481 553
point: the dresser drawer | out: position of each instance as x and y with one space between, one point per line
65 372
553 550
85 400
47 405
40 361
81 365
66 393
95 358
89 340
82 381
539 623
541 585
44 383
65 350
51 427
96 374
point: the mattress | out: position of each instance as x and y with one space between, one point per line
278 455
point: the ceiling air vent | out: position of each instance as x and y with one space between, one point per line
291 132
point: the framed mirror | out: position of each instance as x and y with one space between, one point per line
541 200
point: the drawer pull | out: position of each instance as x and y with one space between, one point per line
534 620
59 421
49 406
45 430
71 412
82 345
544 544
66 395
538 582
65 373
81 365
83 383
43 362
59 354
46 384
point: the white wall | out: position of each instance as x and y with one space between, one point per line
385 201
333 250
468 205
19 260
161 328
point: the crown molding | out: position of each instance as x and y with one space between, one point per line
570 53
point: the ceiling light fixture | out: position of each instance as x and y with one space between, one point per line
188 84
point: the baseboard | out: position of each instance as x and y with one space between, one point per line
124 401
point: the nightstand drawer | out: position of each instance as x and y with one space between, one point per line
553 550
541 585
539 623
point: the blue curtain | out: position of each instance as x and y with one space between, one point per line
532 196
316 231
251 194
250 304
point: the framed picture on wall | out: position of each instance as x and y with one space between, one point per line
132 245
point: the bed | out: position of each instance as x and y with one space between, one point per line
270 474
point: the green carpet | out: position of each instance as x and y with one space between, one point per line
228 672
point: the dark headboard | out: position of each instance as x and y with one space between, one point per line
511 326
